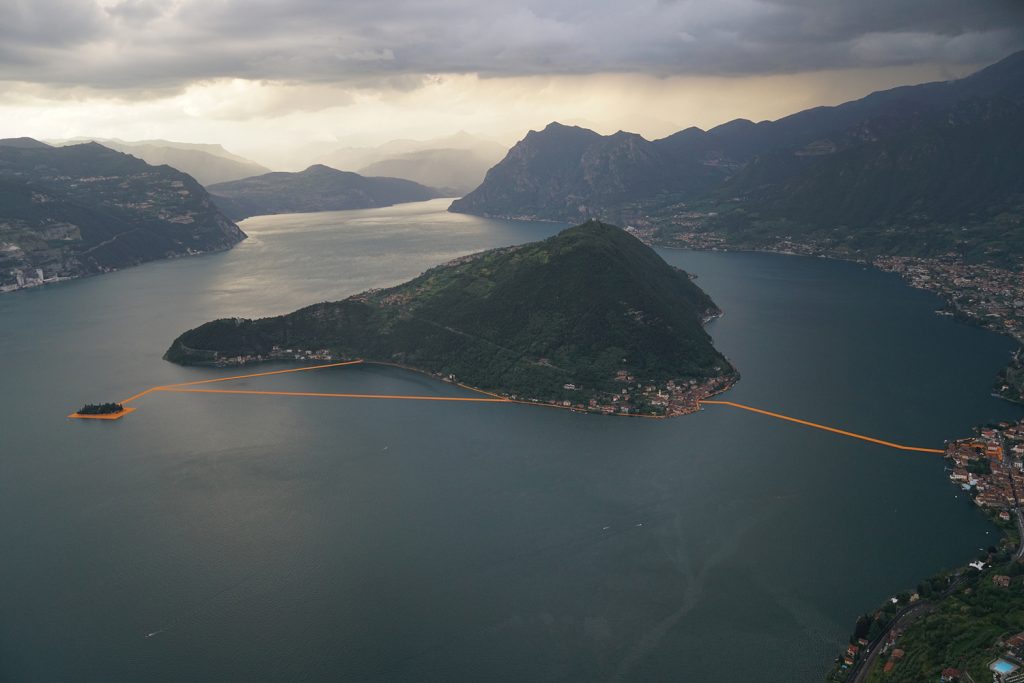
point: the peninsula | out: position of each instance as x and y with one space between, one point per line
590 318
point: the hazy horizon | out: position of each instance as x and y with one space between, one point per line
275 81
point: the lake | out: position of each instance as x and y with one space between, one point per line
258 538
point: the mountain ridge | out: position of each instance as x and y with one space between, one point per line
317 188
207 163
79 210
748 182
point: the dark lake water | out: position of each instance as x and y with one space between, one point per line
276 539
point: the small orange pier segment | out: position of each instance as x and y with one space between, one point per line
107 416
481 391
815 425
141 394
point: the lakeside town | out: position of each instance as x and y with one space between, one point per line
990 467
640 398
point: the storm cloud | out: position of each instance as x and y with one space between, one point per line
148 45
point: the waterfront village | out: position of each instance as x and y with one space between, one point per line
635 396
989 469
670 400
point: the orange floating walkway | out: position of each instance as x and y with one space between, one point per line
255 392
187 388
486 397
843 432
263 374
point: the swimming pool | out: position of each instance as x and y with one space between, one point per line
1001 666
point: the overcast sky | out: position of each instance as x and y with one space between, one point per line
264 77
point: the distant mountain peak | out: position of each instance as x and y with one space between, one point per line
558 125
320 168
736 124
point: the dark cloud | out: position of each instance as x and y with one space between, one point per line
132 44
48 24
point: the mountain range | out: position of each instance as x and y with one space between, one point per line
921 170
457 163
83 209
318 188
207 163
575 318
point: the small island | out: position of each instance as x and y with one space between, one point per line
101 411
589 319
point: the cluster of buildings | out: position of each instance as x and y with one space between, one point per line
671 399
853 651
23 278
991 466
30 259
686 230
276 353
20 278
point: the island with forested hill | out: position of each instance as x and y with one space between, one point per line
590 318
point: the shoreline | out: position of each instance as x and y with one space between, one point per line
58 279
721 384
949 306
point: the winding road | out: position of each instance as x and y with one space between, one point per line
1020 531
907 615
